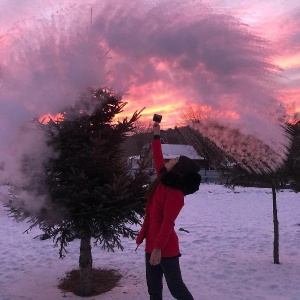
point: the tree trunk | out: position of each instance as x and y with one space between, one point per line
276 228
85 265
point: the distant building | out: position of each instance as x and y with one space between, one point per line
133 162
169 151
174 150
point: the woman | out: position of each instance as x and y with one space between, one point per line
165 199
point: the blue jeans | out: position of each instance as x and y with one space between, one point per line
169 267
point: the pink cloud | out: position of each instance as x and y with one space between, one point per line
172 53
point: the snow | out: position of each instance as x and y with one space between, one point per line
174 150
227 254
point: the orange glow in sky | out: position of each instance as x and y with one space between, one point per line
155 103
47 117
271 19
289 61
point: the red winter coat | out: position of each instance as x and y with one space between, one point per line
162 210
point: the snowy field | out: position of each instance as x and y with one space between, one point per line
227 254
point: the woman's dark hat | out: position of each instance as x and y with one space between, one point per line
183 176
185 165
190 183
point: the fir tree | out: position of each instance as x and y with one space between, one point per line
90 192
293 161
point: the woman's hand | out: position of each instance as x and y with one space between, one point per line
155 257
156 128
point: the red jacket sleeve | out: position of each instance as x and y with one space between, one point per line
159 163
172 207
142 233
157 155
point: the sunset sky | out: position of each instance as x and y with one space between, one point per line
277 21
231 64
234 64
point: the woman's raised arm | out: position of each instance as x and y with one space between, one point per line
156 149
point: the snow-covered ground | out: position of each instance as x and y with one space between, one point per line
227 254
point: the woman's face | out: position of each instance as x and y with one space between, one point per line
171 163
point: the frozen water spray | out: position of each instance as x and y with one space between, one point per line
204 58
200 56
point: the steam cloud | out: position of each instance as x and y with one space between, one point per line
200 56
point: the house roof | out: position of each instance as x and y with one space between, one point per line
171 151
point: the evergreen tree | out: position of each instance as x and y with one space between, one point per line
90 193
293 162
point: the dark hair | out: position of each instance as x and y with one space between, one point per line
183 176
188 183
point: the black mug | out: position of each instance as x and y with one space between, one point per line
157 118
